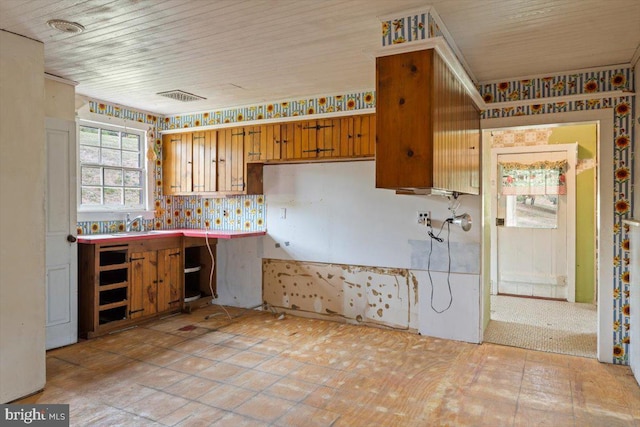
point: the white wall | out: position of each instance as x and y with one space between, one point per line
59 100
334 214
22 177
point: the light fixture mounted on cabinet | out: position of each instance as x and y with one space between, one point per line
65 26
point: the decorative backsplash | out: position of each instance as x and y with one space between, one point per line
242 213
545 89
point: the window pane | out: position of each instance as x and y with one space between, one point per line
91 176
112 196
113 176
111 157
110 161
89 136
130 142
89 154
132 197
110 138
130 159
91 196
132 178
532 211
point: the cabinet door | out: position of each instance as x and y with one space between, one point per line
205 150
254 144
271 140
177 163
287 144
231 160
315 139
143 284
363 136
170 275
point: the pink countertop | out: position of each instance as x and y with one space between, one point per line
155 234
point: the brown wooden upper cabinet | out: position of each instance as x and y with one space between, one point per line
177 163
325 139
427 125
209 162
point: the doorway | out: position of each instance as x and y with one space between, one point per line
542 286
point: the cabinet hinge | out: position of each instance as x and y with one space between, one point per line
253 132
238 134
317 150
318 127
135 311
136 259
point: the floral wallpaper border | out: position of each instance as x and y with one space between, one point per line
293 108
410 28
615 78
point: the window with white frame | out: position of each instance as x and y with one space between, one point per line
113 172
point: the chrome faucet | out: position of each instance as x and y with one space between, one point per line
129 222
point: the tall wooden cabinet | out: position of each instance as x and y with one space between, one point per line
427 125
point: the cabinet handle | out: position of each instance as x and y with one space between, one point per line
221 160
175 254
136 259
135 311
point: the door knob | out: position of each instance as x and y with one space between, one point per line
71 238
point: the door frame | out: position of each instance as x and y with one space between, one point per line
571 151
603 118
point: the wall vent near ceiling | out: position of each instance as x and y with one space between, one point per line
180 95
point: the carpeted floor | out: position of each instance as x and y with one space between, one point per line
551 326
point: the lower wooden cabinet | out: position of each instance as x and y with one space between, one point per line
155 284
121 284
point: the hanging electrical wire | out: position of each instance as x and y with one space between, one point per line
440 240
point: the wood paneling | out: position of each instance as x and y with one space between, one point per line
177 160
143 289
205 152
404 156
170 279
428 128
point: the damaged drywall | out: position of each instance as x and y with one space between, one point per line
385 297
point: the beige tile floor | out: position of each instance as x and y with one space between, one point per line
256 370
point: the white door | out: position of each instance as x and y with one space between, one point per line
535 229
61 249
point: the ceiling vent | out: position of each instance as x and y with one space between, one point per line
65 26
180 95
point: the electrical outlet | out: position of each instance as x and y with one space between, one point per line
424 218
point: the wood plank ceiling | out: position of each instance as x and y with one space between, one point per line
239 52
